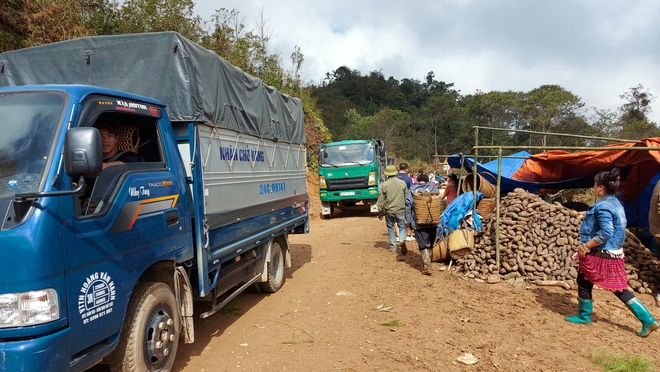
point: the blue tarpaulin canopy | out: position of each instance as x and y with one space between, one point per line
509 167
636 211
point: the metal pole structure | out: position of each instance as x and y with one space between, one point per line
474 171
435 137
559 134
497 209
568 148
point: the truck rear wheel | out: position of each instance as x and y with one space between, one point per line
150 336
275 270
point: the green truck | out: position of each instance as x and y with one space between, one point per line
350 174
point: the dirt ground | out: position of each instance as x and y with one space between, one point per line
325 317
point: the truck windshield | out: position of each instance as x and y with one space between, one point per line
28 121
350 154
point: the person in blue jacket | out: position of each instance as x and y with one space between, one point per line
602 234
424 234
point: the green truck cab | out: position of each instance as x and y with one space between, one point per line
350 174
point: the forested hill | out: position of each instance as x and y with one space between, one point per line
417 118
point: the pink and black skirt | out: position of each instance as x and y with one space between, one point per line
605 269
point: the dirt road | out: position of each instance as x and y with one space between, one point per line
325 316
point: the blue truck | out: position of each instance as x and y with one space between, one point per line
104 264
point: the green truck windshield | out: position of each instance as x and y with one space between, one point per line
28 123
349 154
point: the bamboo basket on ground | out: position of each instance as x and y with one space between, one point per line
483 185
460 243
440 251
427 208
486 206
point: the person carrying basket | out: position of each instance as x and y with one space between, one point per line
423 215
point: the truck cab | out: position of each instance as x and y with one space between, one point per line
350 173
75 256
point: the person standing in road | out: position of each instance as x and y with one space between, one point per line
392 205
424 234
602 234
403 176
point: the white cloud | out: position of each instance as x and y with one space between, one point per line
597 50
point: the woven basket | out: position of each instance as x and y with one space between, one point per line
460 243
427 208
483 185
128 137
486 206
440 252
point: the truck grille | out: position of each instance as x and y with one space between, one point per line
347 183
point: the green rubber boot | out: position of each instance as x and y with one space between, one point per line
584 312
649 324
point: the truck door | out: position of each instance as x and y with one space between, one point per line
130 217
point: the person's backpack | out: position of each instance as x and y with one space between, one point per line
427 207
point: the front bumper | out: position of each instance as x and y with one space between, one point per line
348 195
47 353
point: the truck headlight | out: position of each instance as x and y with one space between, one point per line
372 178
28 308
322 184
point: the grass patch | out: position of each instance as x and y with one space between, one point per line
231 309
610 362
393 323
289 342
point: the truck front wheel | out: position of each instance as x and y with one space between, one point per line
150 336
275 270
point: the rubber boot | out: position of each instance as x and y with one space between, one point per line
649 324
585 308
426 257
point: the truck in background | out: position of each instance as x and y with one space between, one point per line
350 174
103 264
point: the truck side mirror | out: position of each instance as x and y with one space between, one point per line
83 154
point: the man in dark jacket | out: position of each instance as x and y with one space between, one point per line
424 234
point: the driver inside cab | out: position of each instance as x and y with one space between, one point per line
111 155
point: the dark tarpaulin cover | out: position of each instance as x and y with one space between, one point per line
195 83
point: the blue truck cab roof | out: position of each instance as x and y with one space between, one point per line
79 91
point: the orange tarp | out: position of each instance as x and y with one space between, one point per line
559 165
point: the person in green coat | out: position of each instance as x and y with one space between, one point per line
392 205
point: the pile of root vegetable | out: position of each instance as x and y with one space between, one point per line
537 240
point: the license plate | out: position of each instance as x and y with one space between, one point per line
347 193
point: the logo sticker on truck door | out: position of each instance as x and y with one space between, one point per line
96 298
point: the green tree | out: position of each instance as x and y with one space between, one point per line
14 31
549 108
634 122
139 16
605 123
358 125
388 125
494 109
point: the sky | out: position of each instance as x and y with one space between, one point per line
596 49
